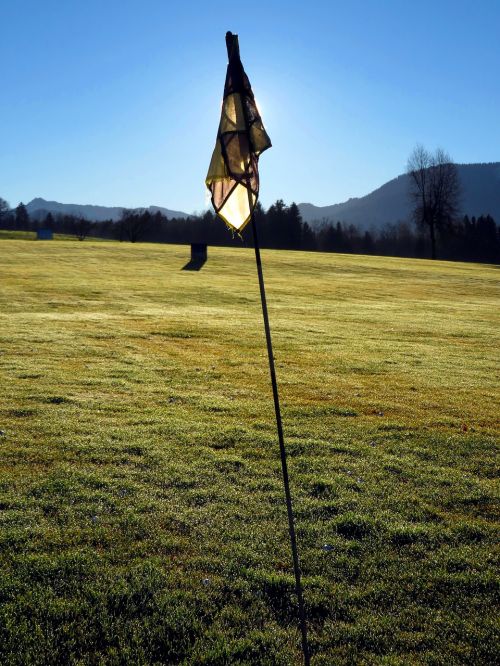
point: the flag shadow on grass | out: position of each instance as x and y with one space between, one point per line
194 264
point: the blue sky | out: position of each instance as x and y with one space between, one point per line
117 103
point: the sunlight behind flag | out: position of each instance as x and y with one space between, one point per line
233 174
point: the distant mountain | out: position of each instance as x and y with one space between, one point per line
390 203
387 204
40 207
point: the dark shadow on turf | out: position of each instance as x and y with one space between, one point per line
194 265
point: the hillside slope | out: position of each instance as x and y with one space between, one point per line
390 203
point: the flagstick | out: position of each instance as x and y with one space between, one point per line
284 466
233 48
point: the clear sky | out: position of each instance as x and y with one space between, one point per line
117 102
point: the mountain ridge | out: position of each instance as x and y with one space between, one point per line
38 206
390 203
387 204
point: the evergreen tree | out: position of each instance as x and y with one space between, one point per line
276 224
22 217
4 209
293 227
308 238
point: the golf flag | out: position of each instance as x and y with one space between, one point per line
233 174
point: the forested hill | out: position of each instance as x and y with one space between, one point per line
390 203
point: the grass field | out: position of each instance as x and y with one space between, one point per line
142 518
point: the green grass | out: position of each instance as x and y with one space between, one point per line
6 234
142 518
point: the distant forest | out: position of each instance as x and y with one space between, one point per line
280 227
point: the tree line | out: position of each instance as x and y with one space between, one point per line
434 191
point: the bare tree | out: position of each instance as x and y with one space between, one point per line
81 228
434 191
134 225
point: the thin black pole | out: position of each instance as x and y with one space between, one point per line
284 466
233 49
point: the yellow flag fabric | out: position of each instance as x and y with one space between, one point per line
233 174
